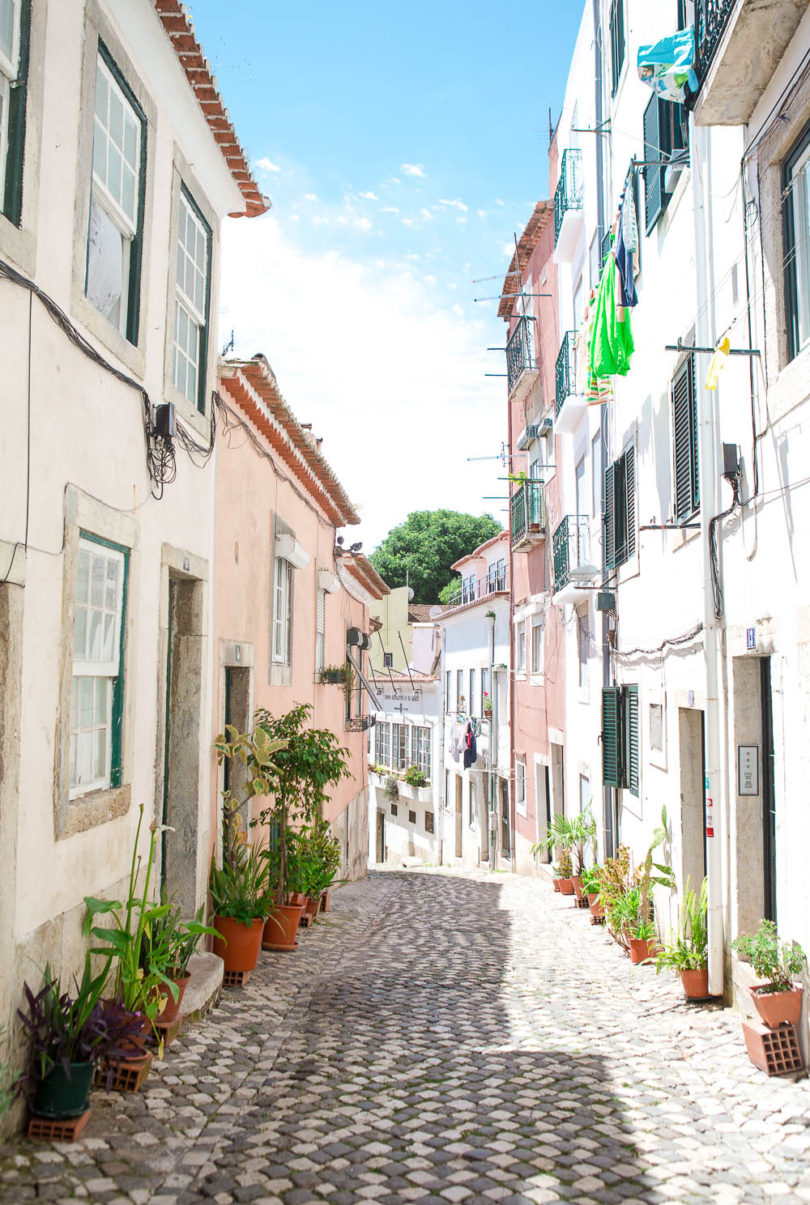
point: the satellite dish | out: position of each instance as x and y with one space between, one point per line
410 593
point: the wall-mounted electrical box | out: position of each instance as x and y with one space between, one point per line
164 420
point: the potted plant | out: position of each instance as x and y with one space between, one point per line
172 943
562 873
581 832
414 777
687 953
334 674
321 861
777 999
591 889
66 1036
487 706
308 763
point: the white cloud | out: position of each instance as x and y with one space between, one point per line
363 223
455 204
413 169
389 209
430 280
498 201
436 410
368 196
482 213
426 214
407 221
310 196
267 165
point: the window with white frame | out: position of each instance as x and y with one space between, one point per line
796 191
520 638
471 814
401 747
420 738
583 639
282 610
97 688
536 651
459 690
116 219
520 784
320 629
383 745
15 18
191 302
486 700
472 695
447 689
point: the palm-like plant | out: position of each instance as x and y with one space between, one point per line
688 951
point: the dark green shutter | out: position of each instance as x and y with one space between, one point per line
616 41
610 519
630 502
15 158
611 769
653 175
684 441
631 730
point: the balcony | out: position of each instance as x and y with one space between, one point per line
521 366
739 45
528 516
360 723
471 590
568 206
569 397
572 564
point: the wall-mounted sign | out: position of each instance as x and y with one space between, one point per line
709 816
748 769
750 638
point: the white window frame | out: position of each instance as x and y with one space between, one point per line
320 629
537 648
384 745
188 306
583 633
520 785
520 648
281 653
420 747
400 747
95 669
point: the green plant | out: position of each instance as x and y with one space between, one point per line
642 930
391 787
332 674
569 834
774 961
664 875
688 951
6 1082
414 777
257 751
564 867
319 857
380 770
138 967
239 887
623 910
173 940
591 880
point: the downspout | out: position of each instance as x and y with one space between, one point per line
609 818
442 794
715 809
488 803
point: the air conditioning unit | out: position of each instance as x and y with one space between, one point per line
357 639
527 436
546 425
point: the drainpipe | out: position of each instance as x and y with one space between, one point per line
487 806
442 776
715 810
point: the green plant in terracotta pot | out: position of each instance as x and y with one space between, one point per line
172 942
321 859
777 999
415 777
687 951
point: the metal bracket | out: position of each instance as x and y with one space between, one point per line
709 351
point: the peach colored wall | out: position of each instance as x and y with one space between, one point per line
249 494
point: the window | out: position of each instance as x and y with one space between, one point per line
420 740
580 502
97 689
585 799
472 696
583 638
471 817
282 610
486 701
384 745
459 689
401 747
191 302
620 764
388 660
15 22
666 133
537 644
620 509
520 785
657 727
320 629
616 42
411 817
597 473
447 689
796 191
685 441
428 822
115 232
521 648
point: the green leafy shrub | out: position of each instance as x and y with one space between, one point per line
774 961
414 777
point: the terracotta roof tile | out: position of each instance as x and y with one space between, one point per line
542 214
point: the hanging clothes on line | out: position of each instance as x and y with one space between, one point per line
612 339
718 362
625 254
598 390
470 747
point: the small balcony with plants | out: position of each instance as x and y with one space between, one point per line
568 212
573 567
521 364
569 397
528 512
732 75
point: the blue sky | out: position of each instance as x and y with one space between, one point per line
403 146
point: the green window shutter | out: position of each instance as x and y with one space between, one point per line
610 518
616 42
631 736
15 158
653 176
684 441
611 768
630 501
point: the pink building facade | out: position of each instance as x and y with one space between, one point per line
289 600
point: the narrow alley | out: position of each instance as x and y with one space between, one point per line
441 1037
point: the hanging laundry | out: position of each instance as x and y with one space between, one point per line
470 747
629 224
668 66
612 339
625 262
598 390
718 362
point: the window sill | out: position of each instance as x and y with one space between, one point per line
686 535
97 807
132 356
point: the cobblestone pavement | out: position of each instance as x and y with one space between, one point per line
442 1037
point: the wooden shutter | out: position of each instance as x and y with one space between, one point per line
631 736
653 176
630 502
684 441
611 768
610 518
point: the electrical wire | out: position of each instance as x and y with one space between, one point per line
670 642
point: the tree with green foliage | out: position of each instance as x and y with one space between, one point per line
424 547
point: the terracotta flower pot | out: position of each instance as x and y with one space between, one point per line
576 881
296 897
281 927
778 1008
311 907
640 949
566 886
695 984
171 1009
556 884
240 948
325 901
595 901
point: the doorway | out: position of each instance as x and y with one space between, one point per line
506 843
459 817
542 796
768 792
692 757
557 803
380 851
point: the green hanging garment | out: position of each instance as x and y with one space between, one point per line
611 341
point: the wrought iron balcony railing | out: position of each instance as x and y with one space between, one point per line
565 373
471 589
711 19
520 351
568 193
528 512
570 549
360 723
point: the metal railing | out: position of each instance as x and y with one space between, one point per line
471 589
565 372
360 723
711 19
568 193
528 511
520 351
570 548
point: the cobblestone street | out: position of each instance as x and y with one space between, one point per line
442 1037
